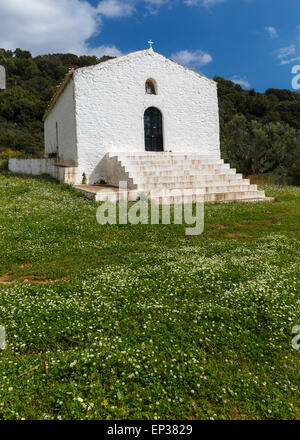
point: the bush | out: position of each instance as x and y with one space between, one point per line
257 148
7 153
3 164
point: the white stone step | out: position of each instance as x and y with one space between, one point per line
139 176
208 198
166 171
229 188
114 196
236 195
187 195
170 200
170 196
189 184
207 189
159 174
192 178
180 163
178 185
166 192
145 156
175 171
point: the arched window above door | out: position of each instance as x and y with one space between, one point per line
150 87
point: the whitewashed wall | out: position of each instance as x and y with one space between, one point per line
111 101
63 113
30 166
37 167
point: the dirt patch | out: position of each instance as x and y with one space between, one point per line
235 235
24 265
219 226
295 236
7 280
236 415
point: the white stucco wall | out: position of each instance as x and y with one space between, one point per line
30 166
63 113
37 167
111 101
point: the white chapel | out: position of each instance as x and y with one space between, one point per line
140 118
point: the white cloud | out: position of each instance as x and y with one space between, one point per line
116 8
157 2
287 54
48 26
194 59
286 51
241 81
272 31
51 26
100 51
202 2
153 6
290 60
211 2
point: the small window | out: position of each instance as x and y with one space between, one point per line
150 87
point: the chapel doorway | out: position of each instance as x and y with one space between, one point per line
153 130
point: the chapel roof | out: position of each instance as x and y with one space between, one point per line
68 76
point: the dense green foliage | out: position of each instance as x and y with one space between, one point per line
259 131
31 83
123 321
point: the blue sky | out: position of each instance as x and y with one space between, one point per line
254 42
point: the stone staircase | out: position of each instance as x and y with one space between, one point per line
164 176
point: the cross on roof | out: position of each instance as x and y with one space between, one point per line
150 42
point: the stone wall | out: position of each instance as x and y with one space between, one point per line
38 167
31 166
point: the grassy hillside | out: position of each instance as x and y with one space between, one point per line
142 321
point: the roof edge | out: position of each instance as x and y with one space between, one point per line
59 89
68 76
150 51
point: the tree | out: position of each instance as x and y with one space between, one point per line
236 145
18 105
257 148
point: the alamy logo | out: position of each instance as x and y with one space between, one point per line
296 339
2 338
296 79
155 208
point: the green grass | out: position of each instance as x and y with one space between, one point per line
142 321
